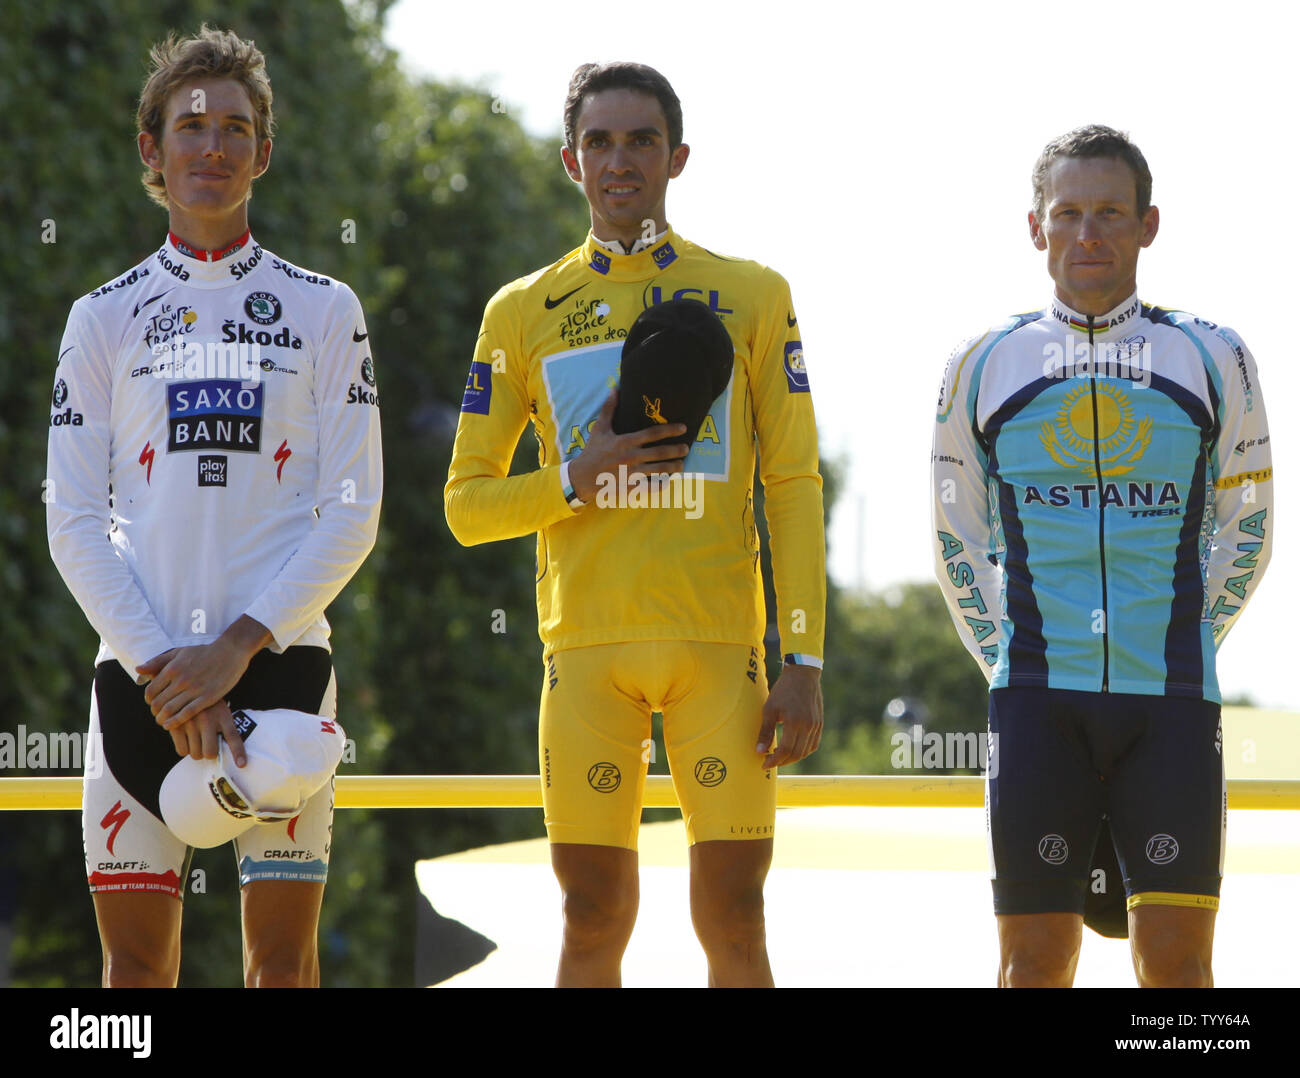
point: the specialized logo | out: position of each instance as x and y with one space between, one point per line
796 374
604 777
146 460
478 389
263 308
652 408
1053 849
1120 441
214 414
1161 849
664 255
212 471
60 393
129 279
281 455
167 323
710 771
600 262
360 394
551 304
114 818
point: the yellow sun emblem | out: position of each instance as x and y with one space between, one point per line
1120 440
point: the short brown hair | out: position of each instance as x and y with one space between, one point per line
593 78
208 54
1093 140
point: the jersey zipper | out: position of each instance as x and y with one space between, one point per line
1101 512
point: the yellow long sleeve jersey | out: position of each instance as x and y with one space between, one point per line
646 562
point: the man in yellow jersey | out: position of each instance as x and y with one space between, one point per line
649 593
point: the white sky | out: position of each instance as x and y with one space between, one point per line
880 159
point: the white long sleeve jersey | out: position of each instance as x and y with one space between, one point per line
214 451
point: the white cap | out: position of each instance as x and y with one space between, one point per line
291 755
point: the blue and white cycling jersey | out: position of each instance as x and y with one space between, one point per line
1102 498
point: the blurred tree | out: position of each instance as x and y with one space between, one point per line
902 644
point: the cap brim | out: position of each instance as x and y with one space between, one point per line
190 807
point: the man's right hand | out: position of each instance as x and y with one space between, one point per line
606 450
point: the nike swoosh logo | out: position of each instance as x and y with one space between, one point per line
790 320
359 337
551 304
72 346
141 306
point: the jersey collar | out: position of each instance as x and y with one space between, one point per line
1120 317
641 265
641 244
204 255
191 266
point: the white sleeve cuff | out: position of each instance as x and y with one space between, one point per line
567 487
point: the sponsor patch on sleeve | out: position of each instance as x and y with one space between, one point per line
478 389
796 374
1227 482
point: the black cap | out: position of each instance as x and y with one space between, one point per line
676 362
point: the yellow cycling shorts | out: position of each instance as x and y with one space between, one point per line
595 743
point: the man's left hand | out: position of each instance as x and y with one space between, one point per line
795 704
187 681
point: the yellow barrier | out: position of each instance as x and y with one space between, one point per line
524 791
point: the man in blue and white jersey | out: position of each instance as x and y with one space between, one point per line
1102 513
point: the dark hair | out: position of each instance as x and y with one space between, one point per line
621 75
210 53
1094 140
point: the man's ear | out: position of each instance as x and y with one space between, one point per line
1036 232
571 165
263 159
678 161
150 151
1150 225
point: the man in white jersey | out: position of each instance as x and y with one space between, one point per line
214 482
